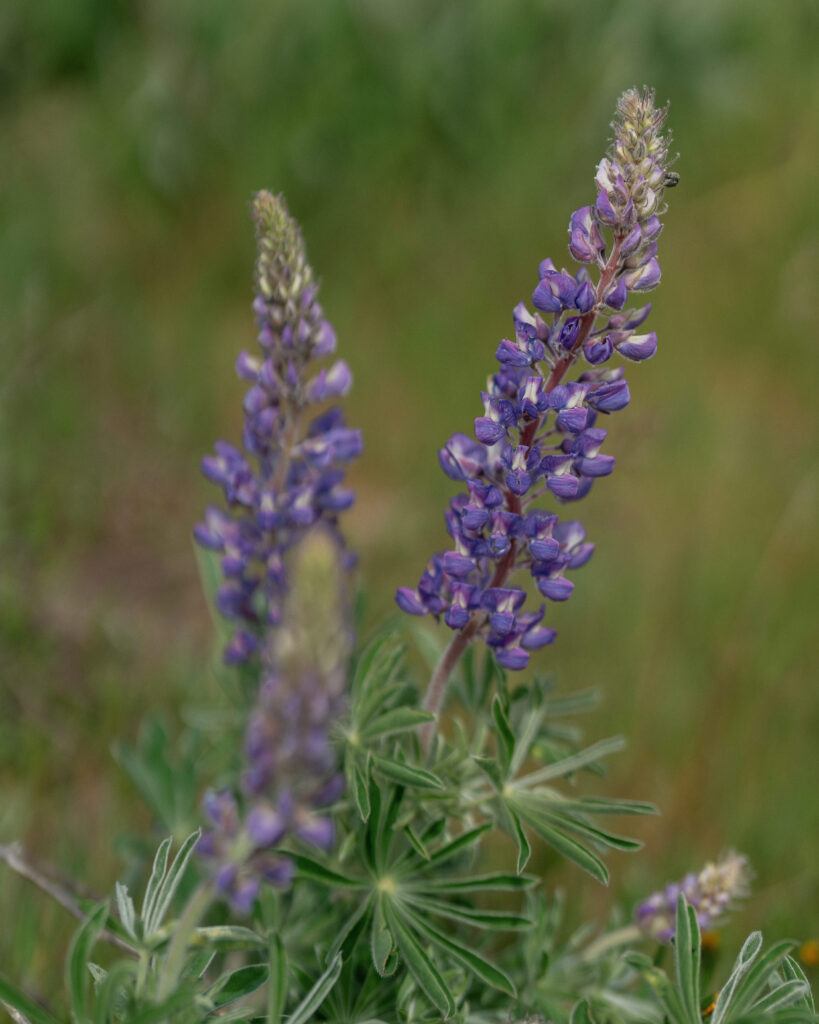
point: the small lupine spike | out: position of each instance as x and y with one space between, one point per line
712 893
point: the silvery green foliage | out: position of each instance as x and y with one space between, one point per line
372 855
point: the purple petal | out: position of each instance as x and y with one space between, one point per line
409 601
557 588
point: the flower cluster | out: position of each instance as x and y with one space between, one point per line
711 893
290 765
289 475
539 435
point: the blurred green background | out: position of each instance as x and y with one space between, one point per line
433 152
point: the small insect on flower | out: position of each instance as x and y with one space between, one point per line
671 179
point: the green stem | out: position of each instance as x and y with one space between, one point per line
185 927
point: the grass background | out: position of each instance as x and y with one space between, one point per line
433 153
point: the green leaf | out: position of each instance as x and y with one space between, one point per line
490 767
564 844
317 994
361 789
416 843
376 687
16 998
398 720
125 909
467 915
527 732
572 763
474 962
519 835
226 937
687 959
162 1012
277 986
160 866
399 771
747 955
788 993
237 984
552 811
309 868
605 805
456 846
76 968
754 982
581 1013
479 883
352 927
386 827
113 990
506 738
419 963
382 944
169 884
573 703
365 663
793 972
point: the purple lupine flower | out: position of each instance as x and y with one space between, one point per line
287 477
538 437
711 893
291 773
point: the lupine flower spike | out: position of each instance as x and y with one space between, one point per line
711 893
284 492
288 476
540 437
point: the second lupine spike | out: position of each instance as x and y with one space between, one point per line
288 476
540 435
